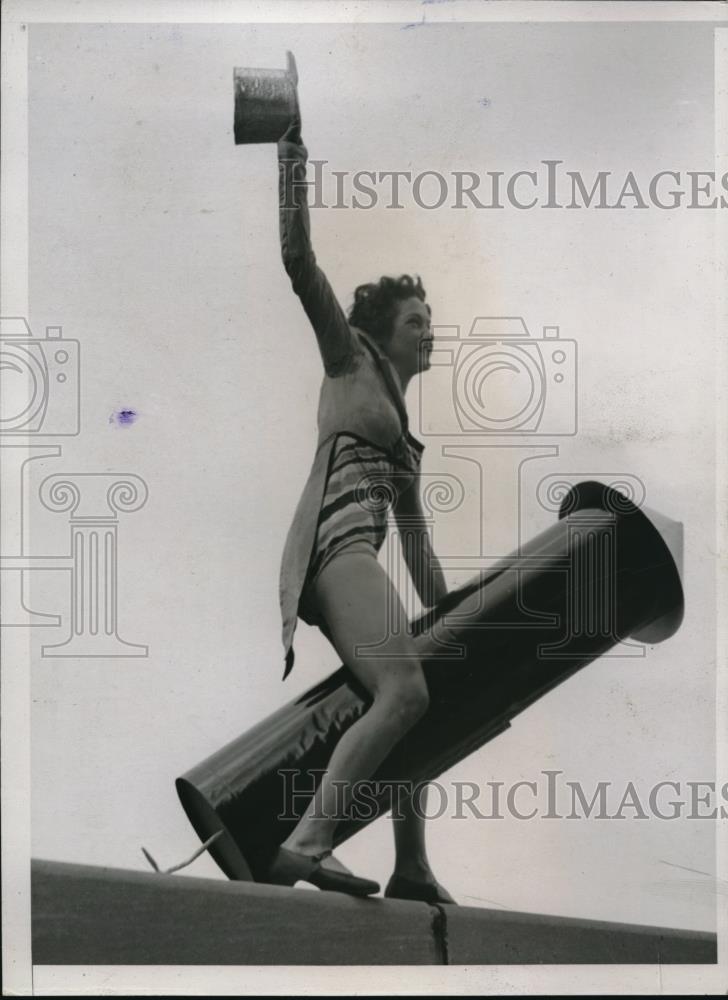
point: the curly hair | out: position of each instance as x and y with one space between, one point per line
375 304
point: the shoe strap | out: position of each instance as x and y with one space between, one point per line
322 855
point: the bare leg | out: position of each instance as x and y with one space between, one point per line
409 837
360 603
412 873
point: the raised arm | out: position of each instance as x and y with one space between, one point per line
336 341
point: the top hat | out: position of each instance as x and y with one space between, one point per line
266 100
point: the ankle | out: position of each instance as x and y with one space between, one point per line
303 845
417 868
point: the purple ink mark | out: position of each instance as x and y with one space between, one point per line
123 417
485 101
414 24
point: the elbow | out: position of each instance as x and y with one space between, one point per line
292 261
296 270
300 268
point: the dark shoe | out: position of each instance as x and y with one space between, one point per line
423 891
289 867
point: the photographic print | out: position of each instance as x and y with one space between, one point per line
363 447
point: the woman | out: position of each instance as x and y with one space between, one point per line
330 574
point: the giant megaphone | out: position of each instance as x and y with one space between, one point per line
606 571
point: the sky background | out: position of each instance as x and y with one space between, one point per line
154 242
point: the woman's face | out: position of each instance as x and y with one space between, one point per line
411 341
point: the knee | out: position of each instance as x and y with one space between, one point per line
414 702
407 701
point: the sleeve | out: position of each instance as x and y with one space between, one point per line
336 340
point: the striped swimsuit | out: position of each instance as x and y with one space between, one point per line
362 483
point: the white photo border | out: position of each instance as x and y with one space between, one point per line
20 978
